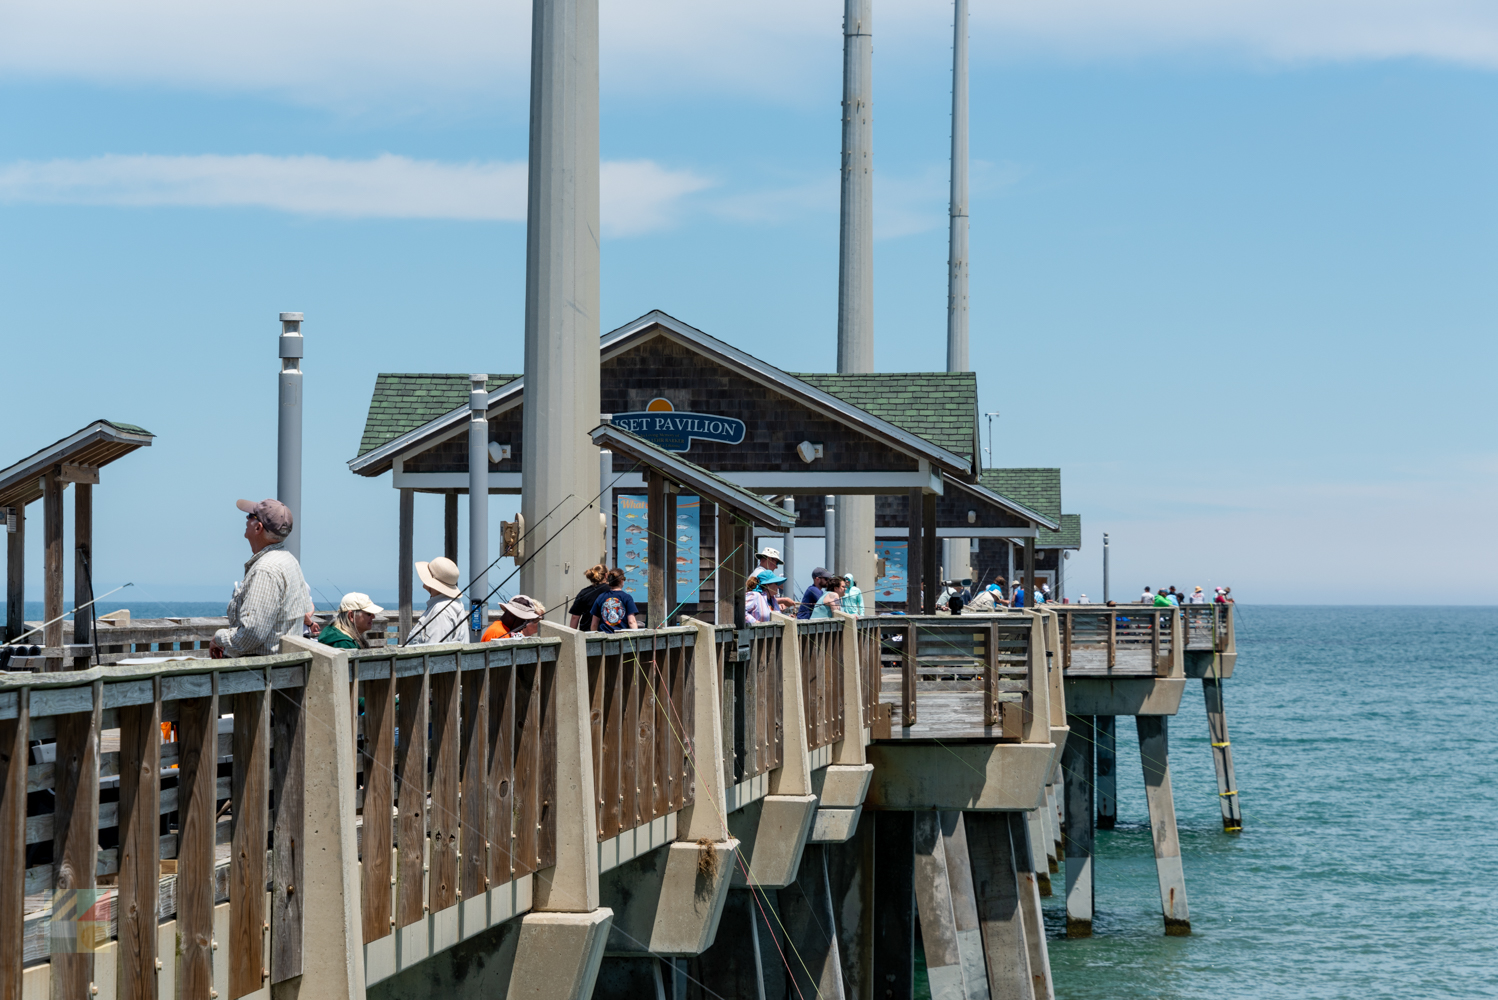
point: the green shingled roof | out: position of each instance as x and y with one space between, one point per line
403 403
941 407
128 428
1069 537
1038 489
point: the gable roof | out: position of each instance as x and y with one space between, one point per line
1069 537
751 506
941 407
1006 503
95 445
379 458
1038 489
405 401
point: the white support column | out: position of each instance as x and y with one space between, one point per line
289 428
478 503
561 299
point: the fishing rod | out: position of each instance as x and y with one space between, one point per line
73 612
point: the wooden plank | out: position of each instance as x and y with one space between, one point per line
288 789
596 675
379 802
655 548
140 844
197 781
450 525
729 710
653 781
404 565
411 785
724 615
247 858
914 559
13 755
52 488
501 771
546 797
683 707
1112 640
751 696
630 696
613 720
15 578
775 698
990 676
909 664
83 554
527 764
75 845
473 780
443 855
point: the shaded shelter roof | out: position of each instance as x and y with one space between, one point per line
378 458
1041 521
750 506
941 407
1038 489
96 445
405 401
1069 537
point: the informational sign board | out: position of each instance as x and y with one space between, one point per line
891 586
675 430
633 547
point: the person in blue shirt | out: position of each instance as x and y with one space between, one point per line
813 595
1018 599
614 610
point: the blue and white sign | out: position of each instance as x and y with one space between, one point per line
674 430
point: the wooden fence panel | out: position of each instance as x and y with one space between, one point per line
197 781
377 836
250 794
442 862
411 786
473 783
14 735
527 764
546 767
500 767
75 844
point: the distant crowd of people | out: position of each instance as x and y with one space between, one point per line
273 600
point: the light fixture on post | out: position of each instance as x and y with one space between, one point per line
809 452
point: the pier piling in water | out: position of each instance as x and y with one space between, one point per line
933 899
1222 755
1107 777
1077 778
1154 756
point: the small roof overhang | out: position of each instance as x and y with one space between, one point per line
95 446
1004 503
377 461
749 506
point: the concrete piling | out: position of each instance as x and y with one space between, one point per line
1107 777
964 905
1042 987
810 929
1155 758
894 905
1077 781
1222 755
933 900
996 882
1039 863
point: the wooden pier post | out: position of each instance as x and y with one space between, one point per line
52 487
1107 777
1154 755
915 560
405 556
15 576
930 585
656 529
1077 780
450 525
83 565
1222 754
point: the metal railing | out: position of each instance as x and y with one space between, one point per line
457 750
642 702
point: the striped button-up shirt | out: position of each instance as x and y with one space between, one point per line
269 603
446 620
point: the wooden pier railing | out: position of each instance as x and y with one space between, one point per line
1121 641
969 676
642 711
750 676
133 801
821 646
457 752
1208 627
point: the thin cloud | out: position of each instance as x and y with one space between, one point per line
393 53
637 196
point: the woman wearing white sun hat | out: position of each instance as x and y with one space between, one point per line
444 620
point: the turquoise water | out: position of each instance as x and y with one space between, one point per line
1366 753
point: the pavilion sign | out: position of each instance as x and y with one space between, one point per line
674 430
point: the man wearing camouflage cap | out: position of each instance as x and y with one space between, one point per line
273 599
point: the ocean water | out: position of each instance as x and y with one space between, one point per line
1365 741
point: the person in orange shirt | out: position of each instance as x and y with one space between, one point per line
518 617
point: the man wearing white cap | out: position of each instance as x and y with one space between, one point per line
769 563
445 619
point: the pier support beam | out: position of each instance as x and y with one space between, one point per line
1042 987
933 900
15 576
1222 755
1107 777
1077 780
811 929
52 487
964 904
1154 755
405 556
894 905
1039 863
1000 912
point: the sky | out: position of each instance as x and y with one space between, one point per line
1231 262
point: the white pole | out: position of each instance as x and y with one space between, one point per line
957 354
561 300
789 552
851 545
1106 598
289 428
478 502
606 499
829 556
